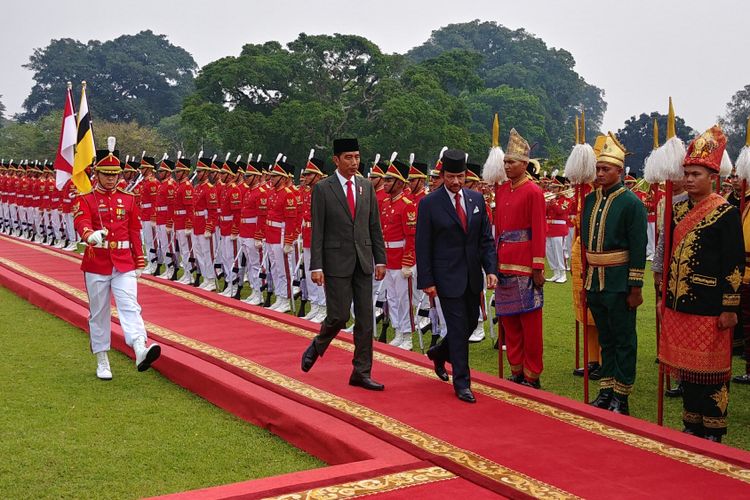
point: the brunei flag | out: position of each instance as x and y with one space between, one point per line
85 150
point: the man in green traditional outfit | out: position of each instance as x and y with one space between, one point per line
614 231
704 276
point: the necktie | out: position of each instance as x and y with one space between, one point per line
460 212
350 197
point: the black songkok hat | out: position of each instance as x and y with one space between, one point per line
454 161
345 146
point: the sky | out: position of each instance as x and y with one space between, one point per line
639 51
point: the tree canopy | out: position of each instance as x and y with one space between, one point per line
638 137
141 77
734 122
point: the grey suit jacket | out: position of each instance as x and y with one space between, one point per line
338 242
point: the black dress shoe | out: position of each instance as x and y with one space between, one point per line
691 432
742 379
603 400
619 404
365 383
593 371
674 393
466 395
309 357
535 384
439 365
715 439
516 378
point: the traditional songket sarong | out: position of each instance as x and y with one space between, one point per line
705 273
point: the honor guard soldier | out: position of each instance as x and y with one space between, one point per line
183 217
417 181
376 175
520 229
613 228
398 219
204 220
107 220
165 218
281 232
230 205
249 220
149 190
705 272
558 209
311 175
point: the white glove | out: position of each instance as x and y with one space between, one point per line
207 234
138 273
97 237
258 244
288 248
407 272
188 231
233 237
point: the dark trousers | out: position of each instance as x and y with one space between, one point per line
744 321
340 292
461 317
704 408
617 337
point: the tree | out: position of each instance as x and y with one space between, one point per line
138 77
734 121
638 137
519 60
2 112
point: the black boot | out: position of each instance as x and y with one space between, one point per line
383 332
714 438
516 378
603 399
619 404
267 302
238 293
197 280
593 371
301 311
674 393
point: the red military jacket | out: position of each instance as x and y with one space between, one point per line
149 190
229 208
116 211
557 216
55 196
282 212
249 214
305 213
183 205
165 202
398 218
35 189
380 196
69 193
264 199
206 208
520 226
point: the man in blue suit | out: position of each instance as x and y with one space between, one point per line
454 245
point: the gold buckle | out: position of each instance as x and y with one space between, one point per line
112 245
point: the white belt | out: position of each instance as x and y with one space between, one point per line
556 221
161 209
45 197
146 205
249 220
307 224
395 244
180 212
114 244
201 213
226 218
273 223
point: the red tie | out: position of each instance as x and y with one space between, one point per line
460 211
350 197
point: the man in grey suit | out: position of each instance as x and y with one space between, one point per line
347 247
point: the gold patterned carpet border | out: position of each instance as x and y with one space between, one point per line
465 458
371 486
588 424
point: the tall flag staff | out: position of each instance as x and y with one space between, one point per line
66 148
85 150
665 165
580 168
493 172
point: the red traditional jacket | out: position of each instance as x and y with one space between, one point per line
116 211
398 218
558 210
520 227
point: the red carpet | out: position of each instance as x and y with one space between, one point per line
414 439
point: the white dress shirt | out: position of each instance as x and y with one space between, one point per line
453 200
343 180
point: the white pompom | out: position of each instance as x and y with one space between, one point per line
278 157
725 168
652 171
200 155
312 153
259 157
493 171
743 163
580 167
111 141
394 155
442 150
671 159
411 158
179 154
214 158
239 157
377 159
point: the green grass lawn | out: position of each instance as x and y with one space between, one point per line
64 433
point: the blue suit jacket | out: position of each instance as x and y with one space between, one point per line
448 257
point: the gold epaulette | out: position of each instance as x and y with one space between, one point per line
121 190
